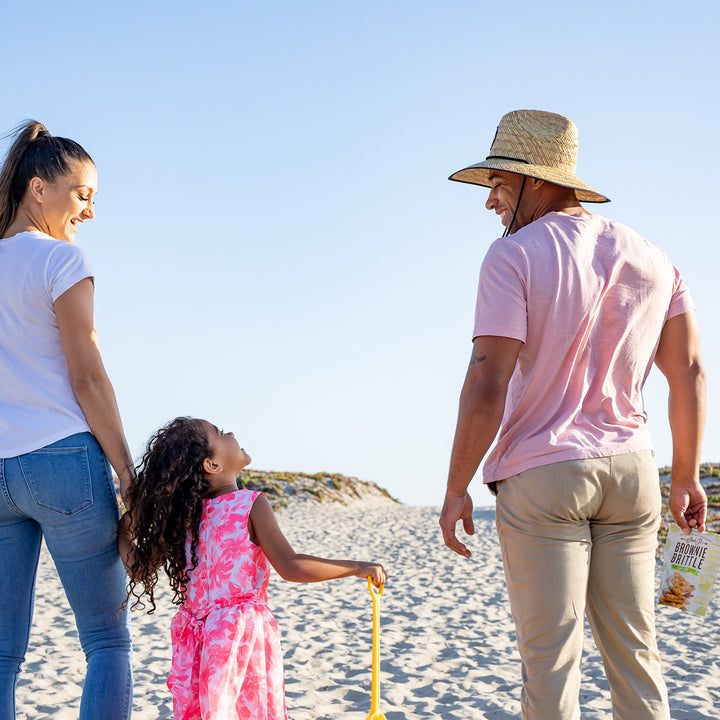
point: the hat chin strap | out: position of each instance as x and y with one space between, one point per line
517 207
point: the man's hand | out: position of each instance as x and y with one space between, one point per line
688 505
678 357
482 402
456 508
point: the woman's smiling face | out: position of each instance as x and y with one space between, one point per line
68 202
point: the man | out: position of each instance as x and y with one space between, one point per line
572 311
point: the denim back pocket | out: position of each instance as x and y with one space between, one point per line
59 479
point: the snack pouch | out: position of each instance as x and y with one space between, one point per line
691 570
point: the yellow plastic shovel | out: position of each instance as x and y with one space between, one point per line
375 713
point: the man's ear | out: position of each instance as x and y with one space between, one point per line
211 467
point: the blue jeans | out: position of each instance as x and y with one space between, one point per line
65 493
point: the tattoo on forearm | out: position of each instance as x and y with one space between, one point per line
477 359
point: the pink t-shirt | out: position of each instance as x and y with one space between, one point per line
588 297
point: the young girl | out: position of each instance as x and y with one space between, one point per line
216 543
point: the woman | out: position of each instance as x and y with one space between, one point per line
59 422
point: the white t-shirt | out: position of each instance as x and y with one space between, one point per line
37 403
588 297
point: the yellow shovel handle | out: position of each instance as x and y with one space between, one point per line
375 696
371 588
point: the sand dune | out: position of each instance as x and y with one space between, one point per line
448 642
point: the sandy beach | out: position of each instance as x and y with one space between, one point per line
447 647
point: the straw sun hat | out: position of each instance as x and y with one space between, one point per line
538 144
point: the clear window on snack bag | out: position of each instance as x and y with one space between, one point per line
691 570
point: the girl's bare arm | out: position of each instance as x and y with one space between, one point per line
297 567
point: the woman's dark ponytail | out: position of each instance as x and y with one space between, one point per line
34 153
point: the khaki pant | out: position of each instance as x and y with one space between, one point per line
578 538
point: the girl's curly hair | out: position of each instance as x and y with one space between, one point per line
165 507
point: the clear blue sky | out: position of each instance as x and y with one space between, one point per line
277 247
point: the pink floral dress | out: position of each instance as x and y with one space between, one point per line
226 662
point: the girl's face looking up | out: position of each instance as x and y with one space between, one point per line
226 453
